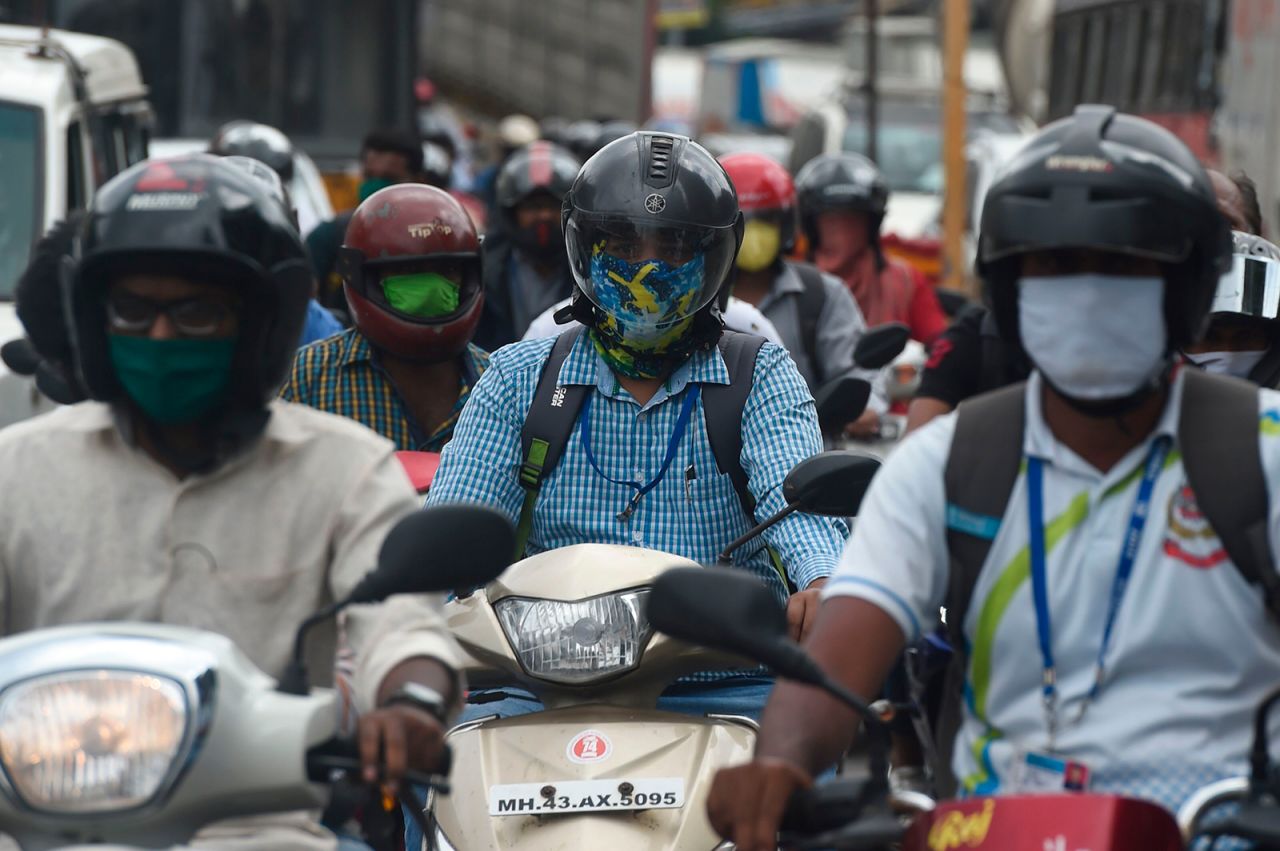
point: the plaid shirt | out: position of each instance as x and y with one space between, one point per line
341 375
577 505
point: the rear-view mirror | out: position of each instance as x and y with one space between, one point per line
832 483
840 401
721 608
879 346
439 549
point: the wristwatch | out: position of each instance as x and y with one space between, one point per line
423 697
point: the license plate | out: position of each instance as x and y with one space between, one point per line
586 796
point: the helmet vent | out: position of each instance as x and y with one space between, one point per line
661 155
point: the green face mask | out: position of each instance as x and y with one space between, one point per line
427 295
173 381
370 185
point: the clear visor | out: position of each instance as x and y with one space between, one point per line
651 276
1251 288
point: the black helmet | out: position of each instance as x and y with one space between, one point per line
1109 182
581 137
843 181
612 131
667 190
201 217
258 141
540 167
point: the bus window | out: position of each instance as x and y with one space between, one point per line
1095 59
1064 92
1117 88
1153 51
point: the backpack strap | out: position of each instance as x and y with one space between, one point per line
722 407
1218 436
546 430
812 302
982 468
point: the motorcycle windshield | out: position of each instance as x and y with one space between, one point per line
21 172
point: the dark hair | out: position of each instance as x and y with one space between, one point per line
396 142
1249 198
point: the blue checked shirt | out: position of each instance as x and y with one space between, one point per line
576 505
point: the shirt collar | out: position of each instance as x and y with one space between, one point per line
786 282
355 349
1040 442
584 365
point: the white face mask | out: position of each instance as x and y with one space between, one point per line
1094 336
1239 364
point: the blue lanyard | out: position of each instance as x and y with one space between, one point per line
682 423
1040 585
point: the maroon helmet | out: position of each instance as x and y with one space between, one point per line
410 228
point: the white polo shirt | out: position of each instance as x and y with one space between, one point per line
1192 652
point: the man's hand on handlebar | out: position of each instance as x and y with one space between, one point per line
747 802
802 609
399 738
865 427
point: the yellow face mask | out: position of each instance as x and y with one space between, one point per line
761 242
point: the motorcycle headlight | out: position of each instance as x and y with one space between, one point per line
91 741
580 641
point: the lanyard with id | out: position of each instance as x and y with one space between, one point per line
1124 571
682 423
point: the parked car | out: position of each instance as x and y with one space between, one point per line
73 114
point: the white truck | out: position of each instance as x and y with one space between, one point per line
73 113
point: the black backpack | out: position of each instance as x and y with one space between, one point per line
812 302
1218 439
555 409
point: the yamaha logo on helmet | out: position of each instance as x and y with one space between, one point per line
655 203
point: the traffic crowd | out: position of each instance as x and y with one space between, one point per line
1109 600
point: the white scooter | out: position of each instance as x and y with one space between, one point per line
141 734
600 767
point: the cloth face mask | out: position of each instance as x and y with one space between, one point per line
1094 336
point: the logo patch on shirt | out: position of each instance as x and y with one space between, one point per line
1190 539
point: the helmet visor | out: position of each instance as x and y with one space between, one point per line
648 279
1251 288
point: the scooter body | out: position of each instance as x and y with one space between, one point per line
140 734
1049 822
601 767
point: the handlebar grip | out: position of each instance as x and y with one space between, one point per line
826 806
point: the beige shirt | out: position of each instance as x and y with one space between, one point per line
92 528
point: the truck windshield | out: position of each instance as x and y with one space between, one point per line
20 175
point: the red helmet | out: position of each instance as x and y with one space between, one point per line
411 227
764 188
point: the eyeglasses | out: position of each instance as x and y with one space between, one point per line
193 317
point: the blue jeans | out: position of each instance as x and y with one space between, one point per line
743 695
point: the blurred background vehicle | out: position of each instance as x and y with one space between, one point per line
73 113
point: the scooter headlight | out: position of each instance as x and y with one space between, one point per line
577 642
91 741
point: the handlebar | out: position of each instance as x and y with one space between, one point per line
344 755
876 831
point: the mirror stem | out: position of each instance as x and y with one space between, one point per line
295 679
726 558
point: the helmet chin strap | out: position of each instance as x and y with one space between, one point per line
1118 407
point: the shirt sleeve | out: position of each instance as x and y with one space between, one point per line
952 373
897 556
482 461
381 636
926 316
840 328
779 430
